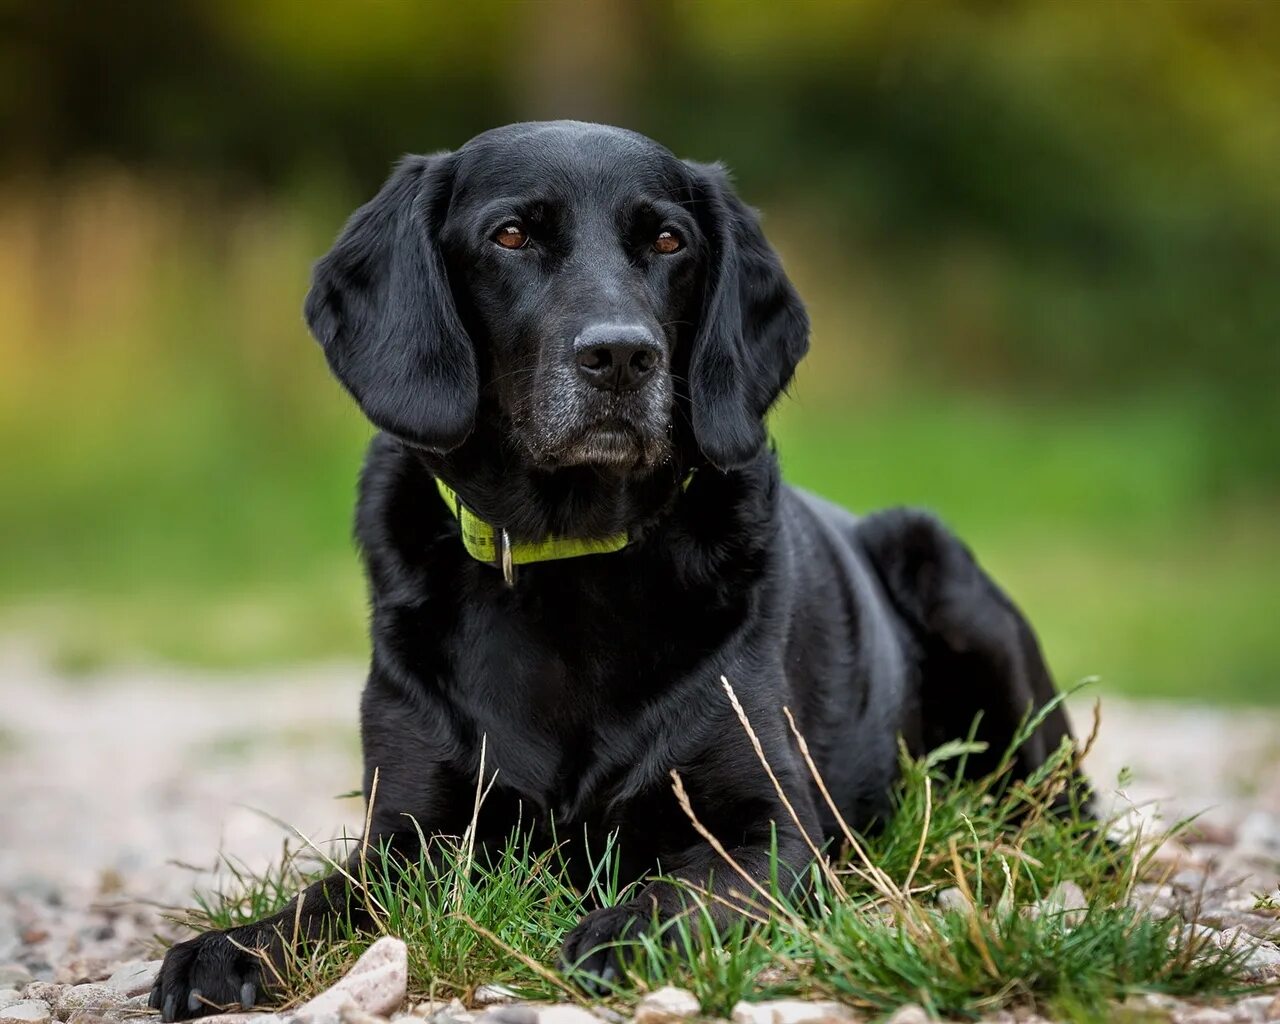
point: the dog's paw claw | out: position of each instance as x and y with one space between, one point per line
208 974
591 951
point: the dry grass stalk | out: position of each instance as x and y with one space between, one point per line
869 873
819 857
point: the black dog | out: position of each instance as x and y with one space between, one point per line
574 527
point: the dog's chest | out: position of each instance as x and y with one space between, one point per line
566 706
550 718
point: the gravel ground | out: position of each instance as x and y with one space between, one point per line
118 790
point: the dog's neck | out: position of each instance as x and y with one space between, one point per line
506 489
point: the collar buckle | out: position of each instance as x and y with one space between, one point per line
505 559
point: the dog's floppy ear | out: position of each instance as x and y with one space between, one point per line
381 307
754 328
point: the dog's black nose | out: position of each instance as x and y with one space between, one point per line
616 357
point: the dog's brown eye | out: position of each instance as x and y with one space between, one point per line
511 236
667 242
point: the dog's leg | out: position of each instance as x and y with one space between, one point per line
235 968
415 796
735 801
980 656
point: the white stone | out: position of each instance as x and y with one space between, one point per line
743 1013
1259 834
9 995
45 991
452 1012
566 1013
248 1017
1197 937
430 1007
375 984
507 1014
909 1014
374 987
93 996
667 1004
1202 1015
489 995
1255 1008
1066 899
1153 1001
952 898
1263 959
790 1011
135 978
14 976
352 1014
26 1011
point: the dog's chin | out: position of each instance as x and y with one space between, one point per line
613 447
617 447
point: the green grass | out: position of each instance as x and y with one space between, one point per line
869 932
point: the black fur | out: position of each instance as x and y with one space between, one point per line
593 677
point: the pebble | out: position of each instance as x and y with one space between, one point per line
789 1011
452 1012
1263 963
1259 835
431 1007
953 899
14 976
47 991
566 1013
26 1011
509 1015
94 996
1143 1001
82 969
1196 936
1156 900
1167 858
909 1013
9 995
666 1005
1255 1008
1263 956
1065 900
1202 1015
1257 925
135 978
1190 879
375 985
350 1014
488 995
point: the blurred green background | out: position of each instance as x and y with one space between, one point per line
1040 243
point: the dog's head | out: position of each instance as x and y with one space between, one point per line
600 298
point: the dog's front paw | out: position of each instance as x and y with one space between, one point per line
591 951
211 973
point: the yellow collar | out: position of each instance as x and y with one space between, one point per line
491 544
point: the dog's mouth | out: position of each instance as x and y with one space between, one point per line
569 425
613 442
